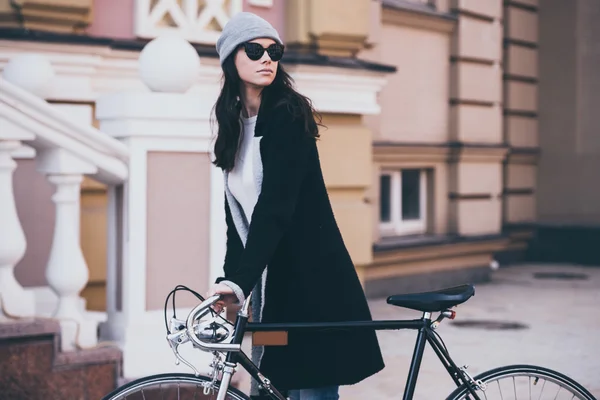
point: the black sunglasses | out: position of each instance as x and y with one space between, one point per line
255 51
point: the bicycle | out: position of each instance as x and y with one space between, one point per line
221 337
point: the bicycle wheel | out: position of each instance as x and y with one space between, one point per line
517 382
170 387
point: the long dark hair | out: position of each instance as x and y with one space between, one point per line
228 109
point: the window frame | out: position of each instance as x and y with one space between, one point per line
397 226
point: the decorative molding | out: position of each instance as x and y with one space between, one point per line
334 92
518 191
261 3
48 15
96 70
190 19
422 17
520 78
495 154
520 113
516 42
397 152
307 29
469 196
468 102
392 153
471 60
339 45
523 156
435 247
522 6
31 37
472 14
24 152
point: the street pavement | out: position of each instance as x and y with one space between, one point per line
561 331
562 319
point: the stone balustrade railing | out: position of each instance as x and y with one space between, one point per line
65 151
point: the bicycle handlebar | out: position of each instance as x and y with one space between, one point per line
198 312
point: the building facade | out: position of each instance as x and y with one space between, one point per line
458 133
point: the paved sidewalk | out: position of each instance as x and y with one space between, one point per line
563 333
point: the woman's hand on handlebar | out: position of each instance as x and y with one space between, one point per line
228 296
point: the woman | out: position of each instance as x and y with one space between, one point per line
283 242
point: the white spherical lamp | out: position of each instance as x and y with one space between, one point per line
169 64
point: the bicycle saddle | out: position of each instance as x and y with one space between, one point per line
438 300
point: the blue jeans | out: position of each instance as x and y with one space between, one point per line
324 393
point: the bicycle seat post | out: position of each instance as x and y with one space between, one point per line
415 363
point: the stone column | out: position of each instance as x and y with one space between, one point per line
14 300
520 121
476 119
67 272
166 223
329 27
33 73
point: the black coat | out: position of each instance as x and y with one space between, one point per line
311 277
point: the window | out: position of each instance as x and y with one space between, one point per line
403 202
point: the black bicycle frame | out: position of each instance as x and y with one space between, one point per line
425 335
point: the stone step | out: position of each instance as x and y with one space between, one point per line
32 365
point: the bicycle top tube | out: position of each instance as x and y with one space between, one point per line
309 326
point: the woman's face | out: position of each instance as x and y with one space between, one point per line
259 73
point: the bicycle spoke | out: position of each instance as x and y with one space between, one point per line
500 390
515 387
529 388
556 397
542 392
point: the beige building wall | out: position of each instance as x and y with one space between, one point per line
310 27
415 99
344 149
441 115
178 226
414 104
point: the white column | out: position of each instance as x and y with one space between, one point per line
170 118
67 272
14 300
218 228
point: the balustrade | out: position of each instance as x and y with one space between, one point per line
198 21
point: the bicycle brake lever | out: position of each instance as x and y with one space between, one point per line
176 339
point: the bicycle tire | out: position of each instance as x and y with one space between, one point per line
491 377
152 382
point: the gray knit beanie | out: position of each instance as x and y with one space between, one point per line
243 27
